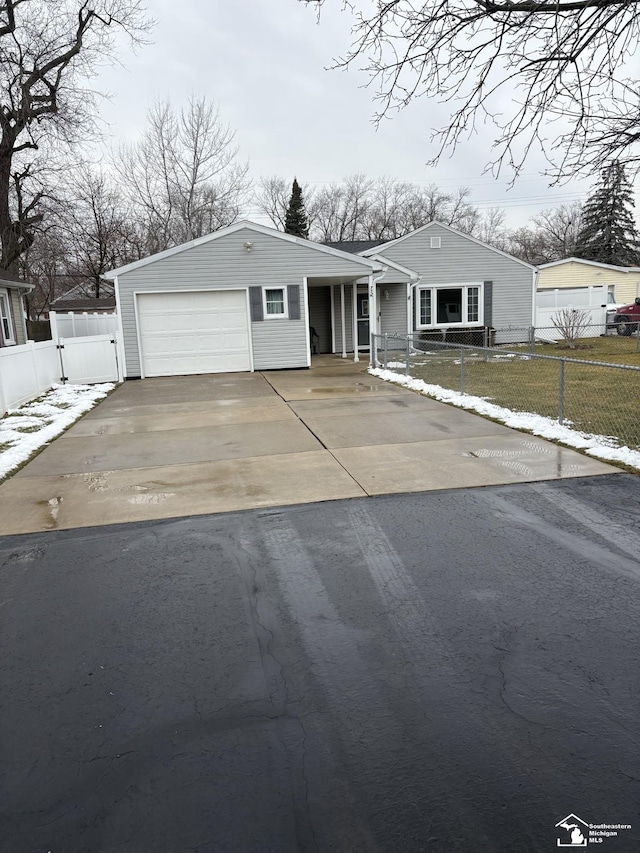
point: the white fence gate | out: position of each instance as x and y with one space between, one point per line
27 371
87 360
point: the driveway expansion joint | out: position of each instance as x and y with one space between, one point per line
318 439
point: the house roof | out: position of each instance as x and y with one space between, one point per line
10 279
108 303
79 298
380 250
588 263
353 246
238 226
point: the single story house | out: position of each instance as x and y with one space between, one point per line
623 283
246 297
13 321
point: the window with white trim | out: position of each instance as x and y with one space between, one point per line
274 300
5 319
450 305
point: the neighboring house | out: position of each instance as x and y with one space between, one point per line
622 283
245 297
79 299
13 324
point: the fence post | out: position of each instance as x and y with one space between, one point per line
386 357
532 339
461 370
561 393
407 357
60 347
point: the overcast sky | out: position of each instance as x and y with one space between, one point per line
264 63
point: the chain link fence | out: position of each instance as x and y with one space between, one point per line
601 339
589 396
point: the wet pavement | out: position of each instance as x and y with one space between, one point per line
166 448
453 671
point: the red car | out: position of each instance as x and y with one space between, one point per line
627 319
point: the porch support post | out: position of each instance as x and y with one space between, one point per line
373 319
354 316
332 303
343 327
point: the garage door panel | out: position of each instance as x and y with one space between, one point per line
194 332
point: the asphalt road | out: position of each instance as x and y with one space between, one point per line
447 671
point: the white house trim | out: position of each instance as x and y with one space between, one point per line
307 317
332 299
404 270
354 320
120 333
285 305
9 338
588 263
238 226
463 286
138 293
343 321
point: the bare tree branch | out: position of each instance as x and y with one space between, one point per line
572 64
49 49
184 176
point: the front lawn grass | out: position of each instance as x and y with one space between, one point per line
616 349
597 399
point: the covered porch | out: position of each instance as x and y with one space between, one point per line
345 310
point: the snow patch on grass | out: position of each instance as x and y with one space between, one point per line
32 426
601 446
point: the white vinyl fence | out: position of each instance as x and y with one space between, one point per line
593 300
27 371
72 324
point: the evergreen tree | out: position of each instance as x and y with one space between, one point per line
296 222
608 232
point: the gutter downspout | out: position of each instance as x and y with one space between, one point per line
412 310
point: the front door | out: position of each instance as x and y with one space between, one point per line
362 307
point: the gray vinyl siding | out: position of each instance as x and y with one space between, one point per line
393 311
320 316
348 320
278 344
18 316
462 260
224 263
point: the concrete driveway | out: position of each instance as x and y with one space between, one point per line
164 448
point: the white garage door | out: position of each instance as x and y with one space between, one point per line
194 332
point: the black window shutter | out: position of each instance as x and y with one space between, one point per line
488 302
293 295
255 300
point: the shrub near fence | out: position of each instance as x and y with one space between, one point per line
589 396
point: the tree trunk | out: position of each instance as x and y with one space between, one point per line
8 236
